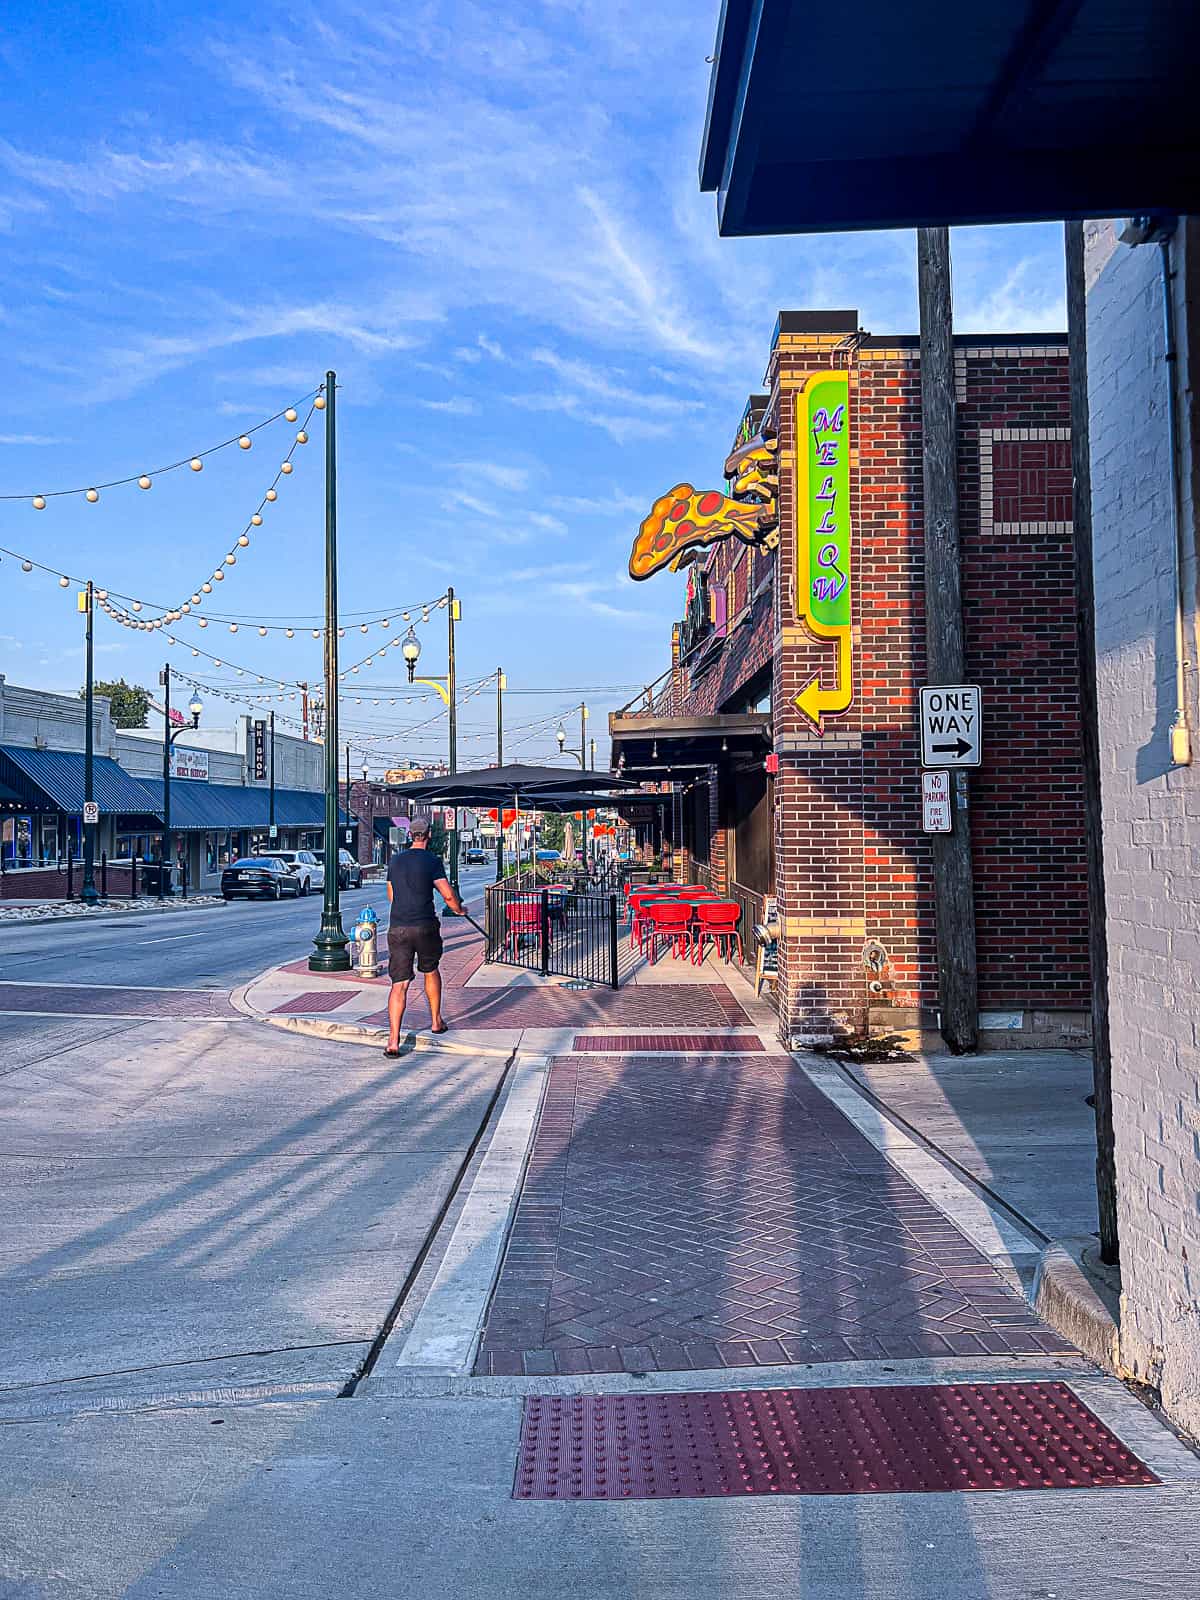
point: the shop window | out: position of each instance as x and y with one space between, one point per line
18 841
700 823
753 833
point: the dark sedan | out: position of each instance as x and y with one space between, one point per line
258 877
349 872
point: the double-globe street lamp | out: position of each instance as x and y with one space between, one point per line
581 756
170 734
447 688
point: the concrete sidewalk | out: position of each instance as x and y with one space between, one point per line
187 1206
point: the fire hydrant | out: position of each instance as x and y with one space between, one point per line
366 934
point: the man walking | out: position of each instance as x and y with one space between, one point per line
413 875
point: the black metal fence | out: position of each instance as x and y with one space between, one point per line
555 931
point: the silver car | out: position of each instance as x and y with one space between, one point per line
304 866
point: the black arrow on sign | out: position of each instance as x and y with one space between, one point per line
958 748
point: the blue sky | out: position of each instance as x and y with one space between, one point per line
486 218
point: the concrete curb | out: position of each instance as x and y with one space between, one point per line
356 1033
351 1033
1064 1296
444 1336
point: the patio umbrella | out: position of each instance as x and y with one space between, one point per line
497 786
490 786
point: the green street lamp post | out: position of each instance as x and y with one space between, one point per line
501 684
330 954
87 892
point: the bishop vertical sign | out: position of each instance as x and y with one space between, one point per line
951 726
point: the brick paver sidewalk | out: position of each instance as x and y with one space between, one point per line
98 1000
701 1211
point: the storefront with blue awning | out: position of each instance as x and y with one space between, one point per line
41 807
213 824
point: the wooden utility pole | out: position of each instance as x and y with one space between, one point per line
945 656
1085 636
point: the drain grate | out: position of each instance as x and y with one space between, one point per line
907 1439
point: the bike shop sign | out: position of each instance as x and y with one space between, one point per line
951 726
189 764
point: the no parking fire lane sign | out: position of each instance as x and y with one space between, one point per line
951 726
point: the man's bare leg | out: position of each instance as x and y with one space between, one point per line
433 993
397 997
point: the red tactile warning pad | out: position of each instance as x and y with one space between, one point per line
912 1439
661 1043
314 1000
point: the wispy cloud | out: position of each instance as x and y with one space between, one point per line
28 438
503 474
458 405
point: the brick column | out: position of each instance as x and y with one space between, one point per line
819 844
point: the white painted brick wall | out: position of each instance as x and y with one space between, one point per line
1151 817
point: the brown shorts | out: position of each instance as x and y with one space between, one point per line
420 939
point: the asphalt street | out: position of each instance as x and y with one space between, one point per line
214 947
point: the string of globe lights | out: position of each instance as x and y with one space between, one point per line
412 613
131 603
198 652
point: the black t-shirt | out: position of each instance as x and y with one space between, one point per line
412 875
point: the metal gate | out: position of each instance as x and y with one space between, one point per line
554 931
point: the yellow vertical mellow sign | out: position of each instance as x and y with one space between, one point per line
824 553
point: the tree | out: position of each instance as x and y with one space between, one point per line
128 703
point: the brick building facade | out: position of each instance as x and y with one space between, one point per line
849 863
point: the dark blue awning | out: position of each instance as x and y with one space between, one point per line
52 780
214 807
874 115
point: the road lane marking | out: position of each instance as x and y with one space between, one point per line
169 938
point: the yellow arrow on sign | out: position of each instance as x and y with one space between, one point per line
816 702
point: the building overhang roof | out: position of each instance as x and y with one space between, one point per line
666 748
873 115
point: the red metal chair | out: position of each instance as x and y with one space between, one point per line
524 917
716 920
638 901
669 919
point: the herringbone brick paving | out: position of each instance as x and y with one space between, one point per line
699 1211
537 1006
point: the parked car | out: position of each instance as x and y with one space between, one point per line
475 856
549 855
258 877
303 864
349 871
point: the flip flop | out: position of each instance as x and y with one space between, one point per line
392 1055
443 1029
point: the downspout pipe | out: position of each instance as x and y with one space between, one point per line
1181 732
1160 230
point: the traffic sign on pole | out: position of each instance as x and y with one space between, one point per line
951 726
936 815
91 812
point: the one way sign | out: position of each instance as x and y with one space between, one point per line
951 726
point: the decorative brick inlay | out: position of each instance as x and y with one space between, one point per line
923 1439
695 1212
660 1043
315 1000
